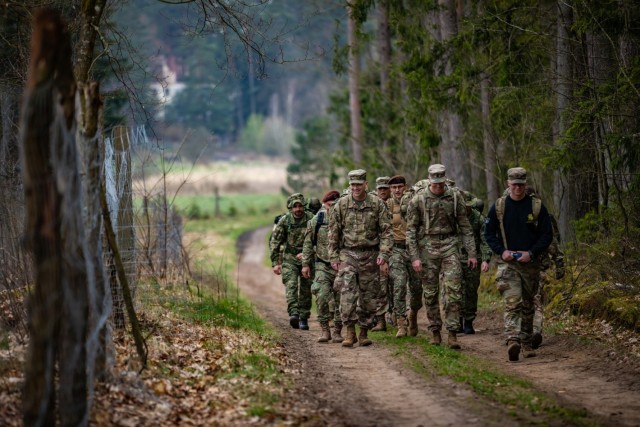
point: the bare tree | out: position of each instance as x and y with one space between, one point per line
354 87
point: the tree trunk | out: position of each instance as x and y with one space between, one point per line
490 155
55 233
384 46
452 153
91 13
91 144
354 88
562 197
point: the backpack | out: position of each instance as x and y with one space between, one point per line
319 222
536 205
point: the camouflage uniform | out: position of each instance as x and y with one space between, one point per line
433 223
286 242
471 277
382 294
518 231
359 233
316 251
555 256
401 273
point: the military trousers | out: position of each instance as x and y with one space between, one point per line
518 285
470 285
539 301
297 290
404 282
441 272
382 296
327 299
359 276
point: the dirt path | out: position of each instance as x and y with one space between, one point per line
369 387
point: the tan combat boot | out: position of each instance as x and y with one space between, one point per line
452 341
381 326
326 333
402 326
364 340
437 338
351 339
337 331
413 323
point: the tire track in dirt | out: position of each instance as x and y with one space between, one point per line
359 386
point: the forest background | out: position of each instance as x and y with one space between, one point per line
390 86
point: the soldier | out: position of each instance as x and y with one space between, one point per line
401 274
435 217
316 250
518 229
383 294
360 245
555 256
313 205
471 277
286 254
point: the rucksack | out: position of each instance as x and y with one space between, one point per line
319 222
536 205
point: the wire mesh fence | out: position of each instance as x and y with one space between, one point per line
148 228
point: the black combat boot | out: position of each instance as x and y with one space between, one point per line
468 327
304 325
294 321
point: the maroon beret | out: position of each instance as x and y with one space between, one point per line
331 195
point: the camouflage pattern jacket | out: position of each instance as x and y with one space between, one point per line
484 252
316 239
437 216
288 238
361 225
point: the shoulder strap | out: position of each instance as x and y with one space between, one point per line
536 205
455 205
500 214
319 222
426 213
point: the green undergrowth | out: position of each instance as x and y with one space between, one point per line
485 379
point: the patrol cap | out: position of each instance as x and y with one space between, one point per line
330 195
397 179
382 182
295 198
517 175
437 173
358 176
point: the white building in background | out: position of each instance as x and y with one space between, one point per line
168 86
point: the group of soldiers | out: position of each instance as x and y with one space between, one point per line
369 256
